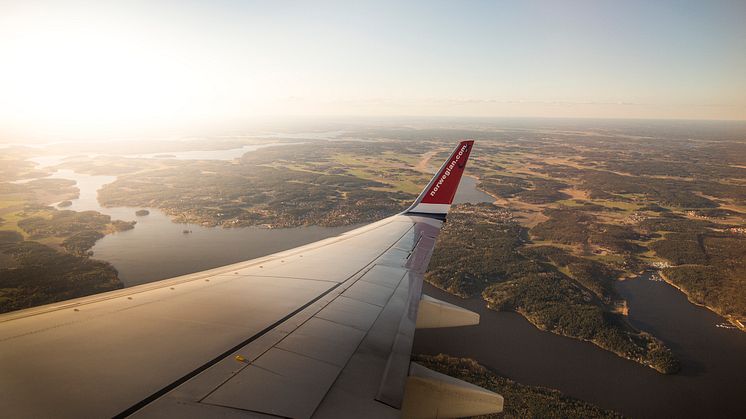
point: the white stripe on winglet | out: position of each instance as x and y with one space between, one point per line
431 208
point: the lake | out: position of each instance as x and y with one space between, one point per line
158 248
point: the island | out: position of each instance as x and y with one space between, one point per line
142 212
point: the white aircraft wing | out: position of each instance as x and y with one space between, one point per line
323 330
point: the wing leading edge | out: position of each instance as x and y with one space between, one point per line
324 330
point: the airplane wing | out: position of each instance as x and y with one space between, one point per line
323 330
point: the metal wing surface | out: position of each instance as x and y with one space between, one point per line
323 330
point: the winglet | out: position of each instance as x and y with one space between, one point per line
436 198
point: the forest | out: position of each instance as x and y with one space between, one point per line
287 193
39 274
521 401
490 257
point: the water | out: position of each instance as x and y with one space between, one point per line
710 384
467 192
43 162
229 154
88 196
158 248
319 135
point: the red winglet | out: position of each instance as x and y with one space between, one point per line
437 197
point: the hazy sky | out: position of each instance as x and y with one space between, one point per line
79 67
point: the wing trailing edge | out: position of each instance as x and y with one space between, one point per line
433 314
436 199
431 394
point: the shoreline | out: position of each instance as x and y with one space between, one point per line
728 318
476 186
540 328
536 325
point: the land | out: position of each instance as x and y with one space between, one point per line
35 274
579 211
44 252
583 208
521 401
326 184
635 204
488 253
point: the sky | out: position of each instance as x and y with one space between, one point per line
100 67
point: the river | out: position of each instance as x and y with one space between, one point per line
711 382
